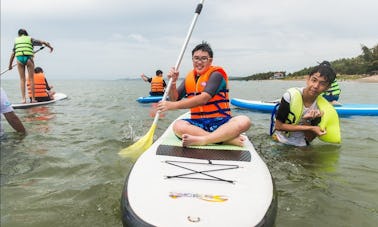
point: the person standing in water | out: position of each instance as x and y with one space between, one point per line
9 114
304 114
23 51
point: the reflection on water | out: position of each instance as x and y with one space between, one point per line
316 183
67 171
38 113
321 158
39 116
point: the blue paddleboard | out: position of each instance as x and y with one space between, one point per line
149 99
348 109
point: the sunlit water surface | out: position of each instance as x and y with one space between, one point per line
66 171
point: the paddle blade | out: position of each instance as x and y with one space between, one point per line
135 150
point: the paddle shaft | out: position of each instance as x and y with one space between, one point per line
41 48
197 13
142 144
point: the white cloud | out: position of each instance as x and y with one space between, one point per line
138 38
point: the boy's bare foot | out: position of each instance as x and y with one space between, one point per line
237 141
189 140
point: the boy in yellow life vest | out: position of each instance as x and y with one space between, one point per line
205 92
304 114
42 90
23 51
157 83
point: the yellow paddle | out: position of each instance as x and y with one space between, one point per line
135 150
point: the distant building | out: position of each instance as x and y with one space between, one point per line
278 75
375 72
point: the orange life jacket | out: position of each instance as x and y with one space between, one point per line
39 85
157 84
218 105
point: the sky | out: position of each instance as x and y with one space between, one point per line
118 39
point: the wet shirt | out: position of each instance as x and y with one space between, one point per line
5 107
292 138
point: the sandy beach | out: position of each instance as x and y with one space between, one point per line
369 79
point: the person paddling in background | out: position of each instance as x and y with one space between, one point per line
333 93
42 90
23 51
207 95
304 114
9 114
157 83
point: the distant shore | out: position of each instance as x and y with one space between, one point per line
359 78
369 79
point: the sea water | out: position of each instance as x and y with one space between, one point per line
67 171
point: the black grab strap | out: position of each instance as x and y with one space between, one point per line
195 174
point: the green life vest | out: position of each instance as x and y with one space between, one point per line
334 89
23 46
329 121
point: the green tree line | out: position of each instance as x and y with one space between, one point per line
364 64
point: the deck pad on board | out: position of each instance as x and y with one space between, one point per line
171 145
203 153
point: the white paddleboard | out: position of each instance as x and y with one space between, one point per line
57 97
214 185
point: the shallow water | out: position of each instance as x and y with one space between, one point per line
66 171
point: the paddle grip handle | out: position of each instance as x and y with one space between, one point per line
199 8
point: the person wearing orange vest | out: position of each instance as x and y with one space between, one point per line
23 51
42 90
157 83
205 91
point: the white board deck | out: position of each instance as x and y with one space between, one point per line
233 192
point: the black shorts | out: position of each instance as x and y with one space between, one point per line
156 93
42 99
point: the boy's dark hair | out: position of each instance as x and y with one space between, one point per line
204 46
38 70
22 32
325 69
158 72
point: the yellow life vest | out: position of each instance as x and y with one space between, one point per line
218 105
23 46
334 89
157 84
39 86
329 121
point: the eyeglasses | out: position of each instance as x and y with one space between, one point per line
203 59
